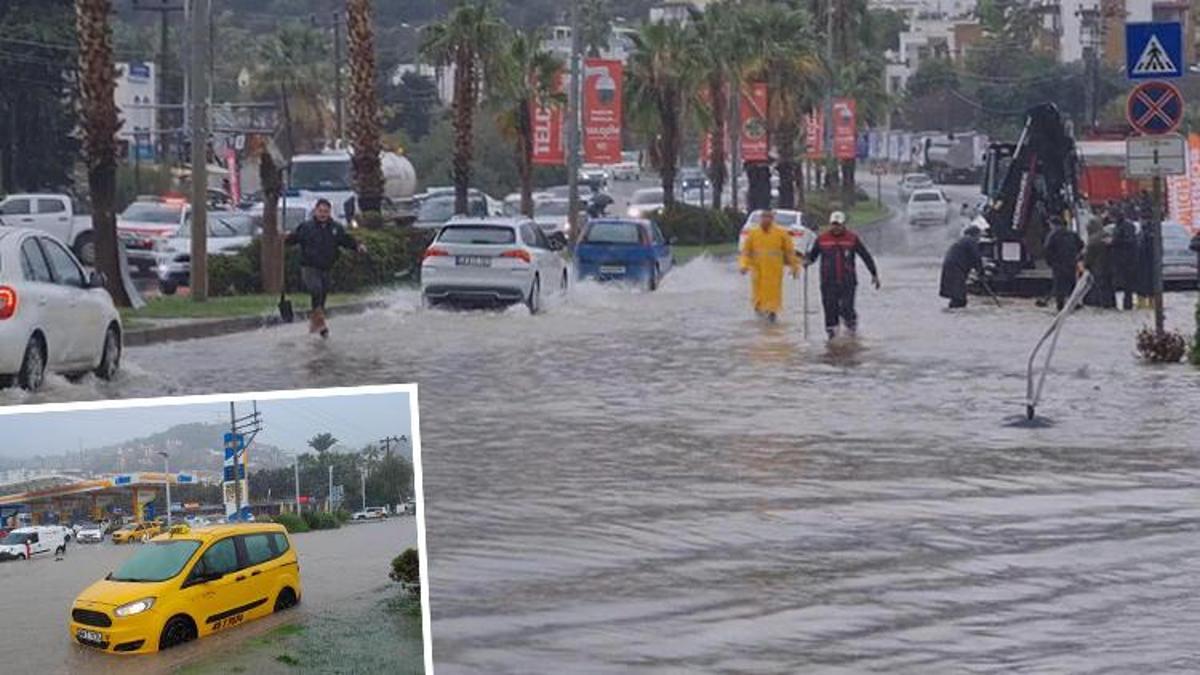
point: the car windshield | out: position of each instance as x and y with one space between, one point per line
552 208
926 197
647 197
781 218
478 234
331 174
15 538
153 212
222 225
613 233
157 561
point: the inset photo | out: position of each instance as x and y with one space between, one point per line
258 533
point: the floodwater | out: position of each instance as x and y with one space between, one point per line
343 572
660 482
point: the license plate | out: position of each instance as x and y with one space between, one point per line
612 269
89 636
473 261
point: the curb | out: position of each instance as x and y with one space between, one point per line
238 324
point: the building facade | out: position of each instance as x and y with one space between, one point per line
136 100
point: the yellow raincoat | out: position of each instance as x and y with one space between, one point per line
764 253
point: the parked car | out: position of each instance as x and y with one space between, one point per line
493 261
186 584
626 169
370 513
228 232
298 211
794 222
928 206
913 181
145 223
90 533
24 543
552 216
594 175
54 316
644 202
618 249
438 208
57 215
693 178
132 532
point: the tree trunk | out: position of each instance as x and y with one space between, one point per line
785 144
364 109
848 186
99 124
758 192
716 170
464 113
271 258
800 196
669 150
525 156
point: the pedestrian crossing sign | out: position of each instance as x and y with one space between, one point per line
1153 50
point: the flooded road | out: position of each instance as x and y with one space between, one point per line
343 573
658 481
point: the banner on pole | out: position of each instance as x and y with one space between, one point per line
1183 192
814 135
845 129
548 129
602 86
753 104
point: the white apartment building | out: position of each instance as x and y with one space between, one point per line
135 95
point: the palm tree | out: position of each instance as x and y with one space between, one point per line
469 40
364 109
660 85
784 52
595 19
99 124
294 62
721 62
861 80
527 81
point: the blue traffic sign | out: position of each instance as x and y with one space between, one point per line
1155 108
1153 50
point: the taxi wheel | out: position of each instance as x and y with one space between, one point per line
177 631
286 600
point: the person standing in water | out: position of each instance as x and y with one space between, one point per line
839 249
319 240
764 253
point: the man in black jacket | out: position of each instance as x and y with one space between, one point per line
319 240
838 249
1122 253
962 257
1062 250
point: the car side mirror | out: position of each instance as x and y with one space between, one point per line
96 279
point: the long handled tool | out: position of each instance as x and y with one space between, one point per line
988 287
805 302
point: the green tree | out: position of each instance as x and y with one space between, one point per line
469 39
595 20
933 76
720 62
322 442
528 78
416 99
294 64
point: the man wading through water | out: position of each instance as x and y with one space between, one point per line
319 240
838 248
765 252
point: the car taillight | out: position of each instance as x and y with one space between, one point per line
519 253
8 302
433 252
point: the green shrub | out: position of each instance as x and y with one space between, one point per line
342 515
292 522
406 569
692 225
392 254
321 520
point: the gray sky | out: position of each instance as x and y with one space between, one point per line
288 423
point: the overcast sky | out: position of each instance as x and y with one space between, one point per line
288 423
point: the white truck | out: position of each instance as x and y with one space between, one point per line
330 175
58 215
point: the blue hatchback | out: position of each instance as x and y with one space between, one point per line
622 249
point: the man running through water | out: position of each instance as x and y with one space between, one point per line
765 251
319 240
838 248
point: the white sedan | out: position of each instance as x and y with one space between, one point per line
645 202
492 261
53 315
928 205
793 221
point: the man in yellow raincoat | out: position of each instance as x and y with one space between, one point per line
765 251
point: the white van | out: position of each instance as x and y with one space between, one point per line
26 542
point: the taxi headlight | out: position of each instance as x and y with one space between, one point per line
135 607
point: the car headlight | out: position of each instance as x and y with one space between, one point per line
135 607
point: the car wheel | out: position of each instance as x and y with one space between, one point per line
534 302
286 600
33 366
652 281
110 358
178 630
85 249
168 287
566 280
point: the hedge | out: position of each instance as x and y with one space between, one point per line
693 225
406 569
321 520
292 522
392 253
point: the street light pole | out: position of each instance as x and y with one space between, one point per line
296 466
167 481
329 501
199 134
363 476
573 125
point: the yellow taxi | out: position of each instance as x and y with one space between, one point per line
136 532
187 583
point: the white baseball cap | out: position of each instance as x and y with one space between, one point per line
837 217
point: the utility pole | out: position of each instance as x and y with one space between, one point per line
199 134
167 482
363 477
329 502
337 76
1157 244
573 125
164 9
827 123
734 133
387 443
296 466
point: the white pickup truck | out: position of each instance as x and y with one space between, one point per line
58 215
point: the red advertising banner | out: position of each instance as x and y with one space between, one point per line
602 111
845 128
753 106
548 130
814 135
